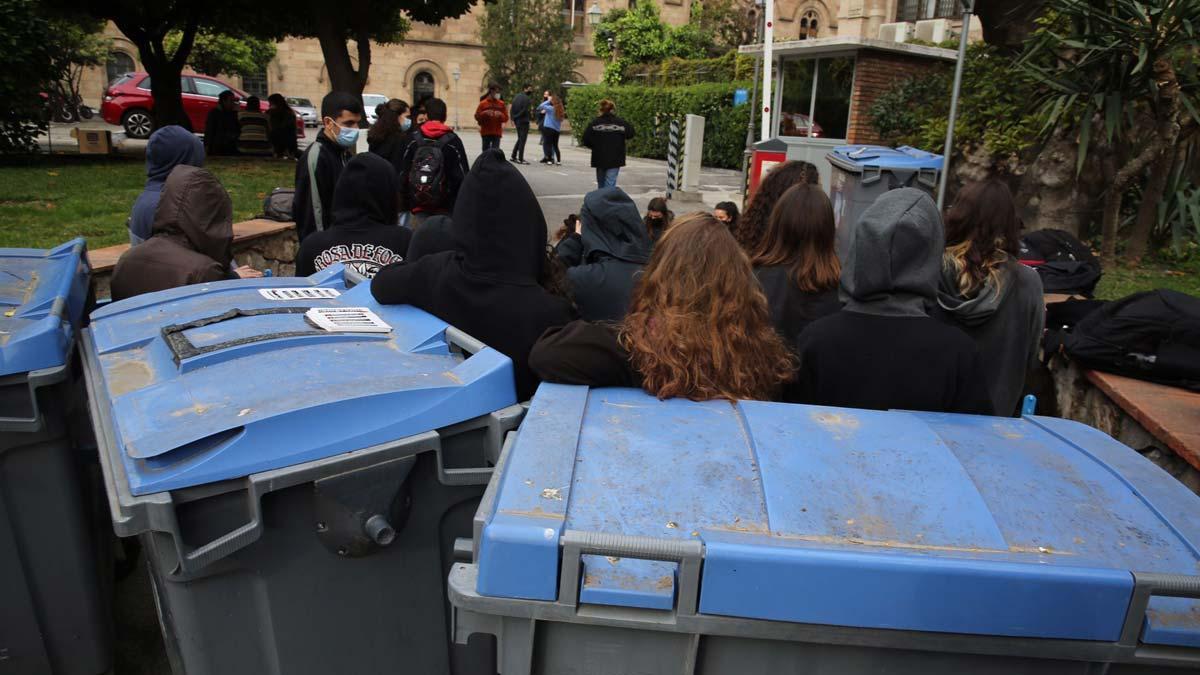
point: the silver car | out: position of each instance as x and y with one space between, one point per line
304 108
370 102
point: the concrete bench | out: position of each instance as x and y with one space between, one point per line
260 243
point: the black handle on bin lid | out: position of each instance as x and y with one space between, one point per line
689 553
1147 585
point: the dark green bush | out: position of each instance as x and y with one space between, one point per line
674 71
650 109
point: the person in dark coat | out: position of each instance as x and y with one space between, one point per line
435 133
434 236
520 114
753 222
340 117
389 136
191 241
658 218
797 263
168 147
364 236
883 350
987 293
221 127
603 260
488 287
606 136
281 120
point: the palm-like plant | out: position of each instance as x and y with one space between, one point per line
1121 72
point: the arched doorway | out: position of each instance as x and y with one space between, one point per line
423 87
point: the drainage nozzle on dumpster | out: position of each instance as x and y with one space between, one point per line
53 559
863 172
298 461
756 537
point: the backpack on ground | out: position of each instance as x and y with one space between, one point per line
427 175
1152 335
278 205
1065 264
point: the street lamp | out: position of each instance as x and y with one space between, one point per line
456 74
593 14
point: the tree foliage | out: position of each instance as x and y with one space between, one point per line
1121 76
224 54
639 35
26 66
725 24
527 41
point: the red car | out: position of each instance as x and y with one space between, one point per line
128 102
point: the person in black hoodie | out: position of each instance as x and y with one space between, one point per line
519 114
606 136
603 260
488 287
796 262
364 235
434 236
321 164
883 351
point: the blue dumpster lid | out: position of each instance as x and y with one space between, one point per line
917 521
219 381
42 294
855 158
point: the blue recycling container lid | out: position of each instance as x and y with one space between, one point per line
42 294
856 158
223 380
1027 527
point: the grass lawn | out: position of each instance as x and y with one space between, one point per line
45 201
1180 276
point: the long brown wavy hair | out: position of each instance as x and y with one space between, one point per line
698 326
752 223
982 231
802 235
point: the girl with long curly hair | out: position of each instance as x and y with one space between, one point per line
796 262
697 327
753 222
987 292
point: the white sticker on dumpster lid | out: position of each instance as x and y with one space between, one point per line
347 320
302 293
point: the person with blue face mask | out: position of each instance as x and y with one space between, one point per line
388 136
321 165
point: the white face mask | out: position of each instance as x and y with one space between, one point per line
496 96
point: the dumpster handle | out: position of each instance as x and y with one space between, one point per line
353 277
1147 585
467 344
689 553
190 563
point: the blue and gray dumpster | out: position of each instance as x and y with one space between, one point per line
623 534
298 484
863 172
54 615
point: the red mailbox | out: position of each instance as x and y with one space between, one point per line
767 155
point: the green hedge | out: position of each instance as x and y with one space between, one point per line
674 72
724 128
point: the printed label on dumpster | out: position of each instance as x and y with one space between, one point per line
303 293
347 320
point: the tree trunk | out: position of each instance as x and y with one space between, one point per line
1162 146
1147 216
164 70
331 33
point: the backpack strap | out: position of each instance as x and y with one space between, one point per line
314 153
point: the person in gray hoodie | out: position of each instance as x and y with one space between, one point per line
988 293
604 258
883 350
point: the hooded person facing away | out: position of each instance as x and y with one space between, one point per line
364 235
883 351
488 287
191 241
167 148
603 260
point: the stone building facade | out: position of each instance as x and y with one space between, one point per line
447 60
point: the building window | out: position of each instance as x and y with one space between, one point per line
919 10
815 97
256 85
423 87
809 27
119 63
573 16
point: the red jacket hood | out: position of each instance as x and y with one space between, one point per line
434 129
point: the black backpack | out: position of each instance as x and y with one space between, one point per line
278 205
1065 264
427 175
1152 335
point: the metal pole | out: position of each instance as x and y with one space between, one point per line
968 9
768 50
753 106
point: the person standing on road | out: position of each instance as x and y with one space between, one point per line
253 138
221 126
321 165
434 166
519 113
606 136
491 114
389 136
281 122
553 112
